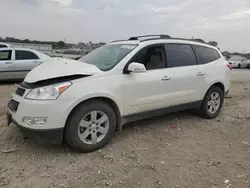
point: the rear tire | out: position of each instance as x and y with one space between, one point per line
212 103
90 126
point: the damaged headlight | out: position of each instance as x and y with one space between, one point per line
51 92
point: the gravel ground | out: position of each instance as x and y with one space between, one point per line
179 150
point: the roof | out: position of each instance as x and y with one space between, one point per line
150 39
25 49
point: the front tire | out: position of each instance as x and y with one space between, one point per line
91 126
239 66
212 103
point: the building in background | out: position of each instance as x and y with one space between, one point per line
44 48
70 51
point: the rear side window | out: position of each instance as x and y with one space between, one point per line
5 55
25 55
3 46
179 55
205 54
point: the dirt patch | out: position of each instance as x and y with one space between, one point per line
176 150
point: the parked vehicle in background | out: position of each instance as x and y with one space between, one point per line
15 63
85 101
238 62
248 66
44 48
4 45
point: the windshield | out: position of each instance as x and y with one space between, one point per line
235 58
107 56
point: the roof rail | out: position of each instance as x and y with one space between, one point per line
158 37
194 40
145 36
118 41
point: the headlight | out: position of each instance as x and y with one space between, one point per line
51 92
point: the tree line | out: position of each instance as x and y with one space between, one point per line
62 44
59 44
226 53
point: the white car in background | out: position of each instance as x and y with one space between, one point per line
238 62
15 63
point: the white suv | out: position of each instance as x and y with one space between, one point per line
85 101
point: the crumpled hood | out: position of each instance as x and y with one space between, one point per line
60 67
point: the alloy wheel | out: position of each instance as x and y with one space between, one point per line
214 102
93 127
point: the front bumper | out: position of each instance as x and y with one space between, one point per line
234 65
56 113
54 136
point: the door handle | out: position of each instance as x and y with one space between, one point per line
200 74
165 78
8 62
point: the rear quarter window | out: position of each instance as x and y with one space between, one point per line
25 55
3 46
206 54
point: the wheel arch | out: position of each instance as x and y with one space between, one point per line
218 84
107 100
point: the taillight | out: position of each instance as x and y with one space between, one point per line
229 66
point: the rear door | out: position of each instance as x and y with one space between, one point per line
24 62
188 76
211 65
6 64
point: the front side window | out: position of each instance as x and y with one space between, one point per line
107 56
152 57
5 55
205 54
179 55
25 55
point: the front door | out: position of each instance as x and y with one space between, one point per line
152 89
6 65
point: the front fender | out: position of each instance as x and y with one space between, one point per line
93 96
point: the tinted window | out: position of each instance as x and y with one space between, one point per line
140 56
180 55
25 55
151 57
3 46
206 55
5 55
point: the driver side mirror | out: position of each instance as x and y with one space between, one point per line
136 67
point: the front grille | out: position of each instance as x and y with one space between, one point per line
13 105
20 91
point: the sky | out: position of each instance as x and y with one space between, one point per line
225 21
